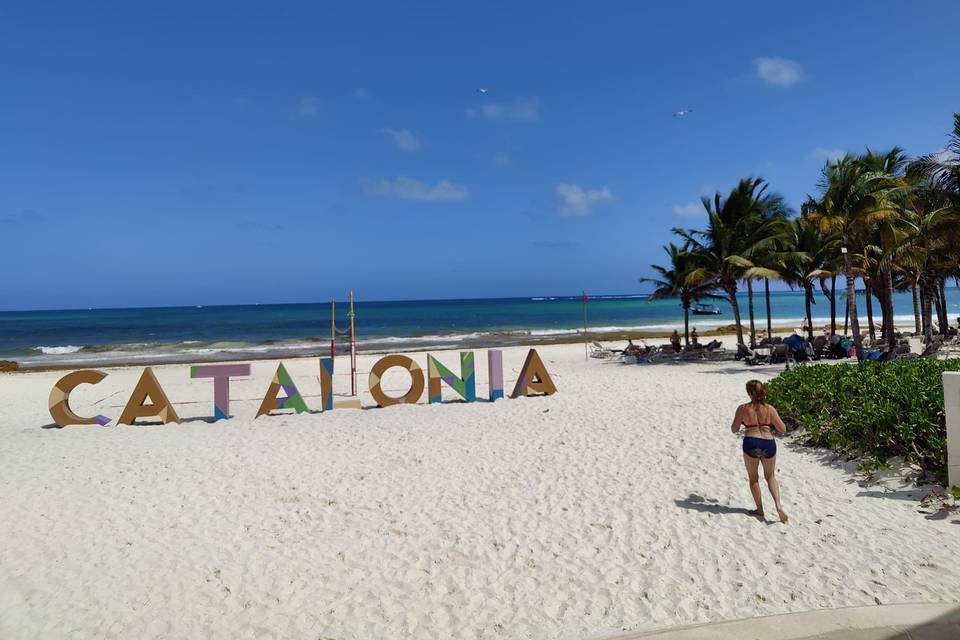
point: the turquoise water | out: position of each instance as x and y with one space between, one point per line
90 336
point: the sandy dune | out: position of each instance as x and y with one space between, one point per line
615 505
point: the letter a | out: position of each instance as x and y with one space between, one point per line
292 400
533 377
148 388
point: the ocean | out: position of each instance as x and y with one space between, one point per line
211 333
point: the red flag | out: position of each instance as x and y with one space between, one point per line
585 298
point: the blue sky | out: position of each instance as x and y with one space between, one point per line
207 153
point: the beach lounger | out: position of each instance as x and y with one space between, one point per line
820 345
597 350
780 353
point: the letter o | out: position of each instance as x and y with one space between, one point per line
388 362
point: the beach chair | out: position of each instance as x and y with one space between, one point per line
780 353
931 351
597 350
820 344
715 351
640 358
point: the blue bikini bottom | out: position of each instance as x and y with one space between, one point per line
759 447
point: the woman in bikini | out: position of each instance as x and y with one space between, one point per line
759 447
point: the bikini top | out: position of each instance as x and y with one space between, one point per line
758 425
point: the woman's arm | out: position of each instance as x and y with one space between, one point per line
777 422
735 427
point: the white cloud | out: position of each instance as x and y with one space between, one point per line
404 188
780 72
828 154
524 110
688 210
309 107
403 138
502 159
575 201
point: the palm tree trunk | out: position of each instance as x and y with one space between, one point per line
732 297
753 328
940 306
926 311
918 328
890 327
943 297
868 290
686 323
808 297
833 305
766 293
852 302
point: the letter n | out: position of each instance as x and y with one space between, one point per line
465 384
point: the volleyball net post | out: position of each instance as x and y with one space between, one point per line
353 340
353 351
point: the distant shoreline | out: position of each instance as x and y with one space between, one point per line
321 350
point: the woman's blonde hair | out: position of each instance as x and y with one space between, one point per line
756 391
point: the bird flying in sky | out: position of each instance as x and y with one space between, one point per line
682 112
483 89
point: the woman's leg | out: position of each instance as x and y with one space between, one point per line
769 472
753 475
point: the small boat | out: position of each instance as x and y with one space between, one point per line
704 310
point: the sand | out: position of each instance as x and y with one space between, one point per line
615 505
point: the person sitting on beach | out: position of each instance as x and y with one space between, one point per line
636 350
631 349
694 336
675 341
759 447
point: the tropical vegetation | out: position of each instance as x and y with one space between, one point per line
873 409
879 217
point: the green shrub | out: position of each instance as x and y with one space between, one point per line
874 409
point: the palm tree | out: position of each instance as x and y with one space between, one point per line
930 235
766 257
887 169
675 282
849 204
939 173
723 250
943 168
805 261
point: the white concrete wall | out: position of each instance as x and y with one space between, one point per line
951 403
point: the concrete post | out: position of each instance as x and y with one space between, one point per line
951 405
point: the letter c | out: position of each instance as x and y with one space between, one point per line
60 398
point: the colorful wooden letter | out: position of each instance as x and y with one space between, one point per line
291 400
326 384
326 389
221 374
533 377
495 373
59 403
148 388
465 384
396 360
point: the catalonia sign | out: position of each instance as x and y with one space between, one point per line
148 400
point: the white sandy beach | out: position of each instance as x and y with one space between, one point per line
617 504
